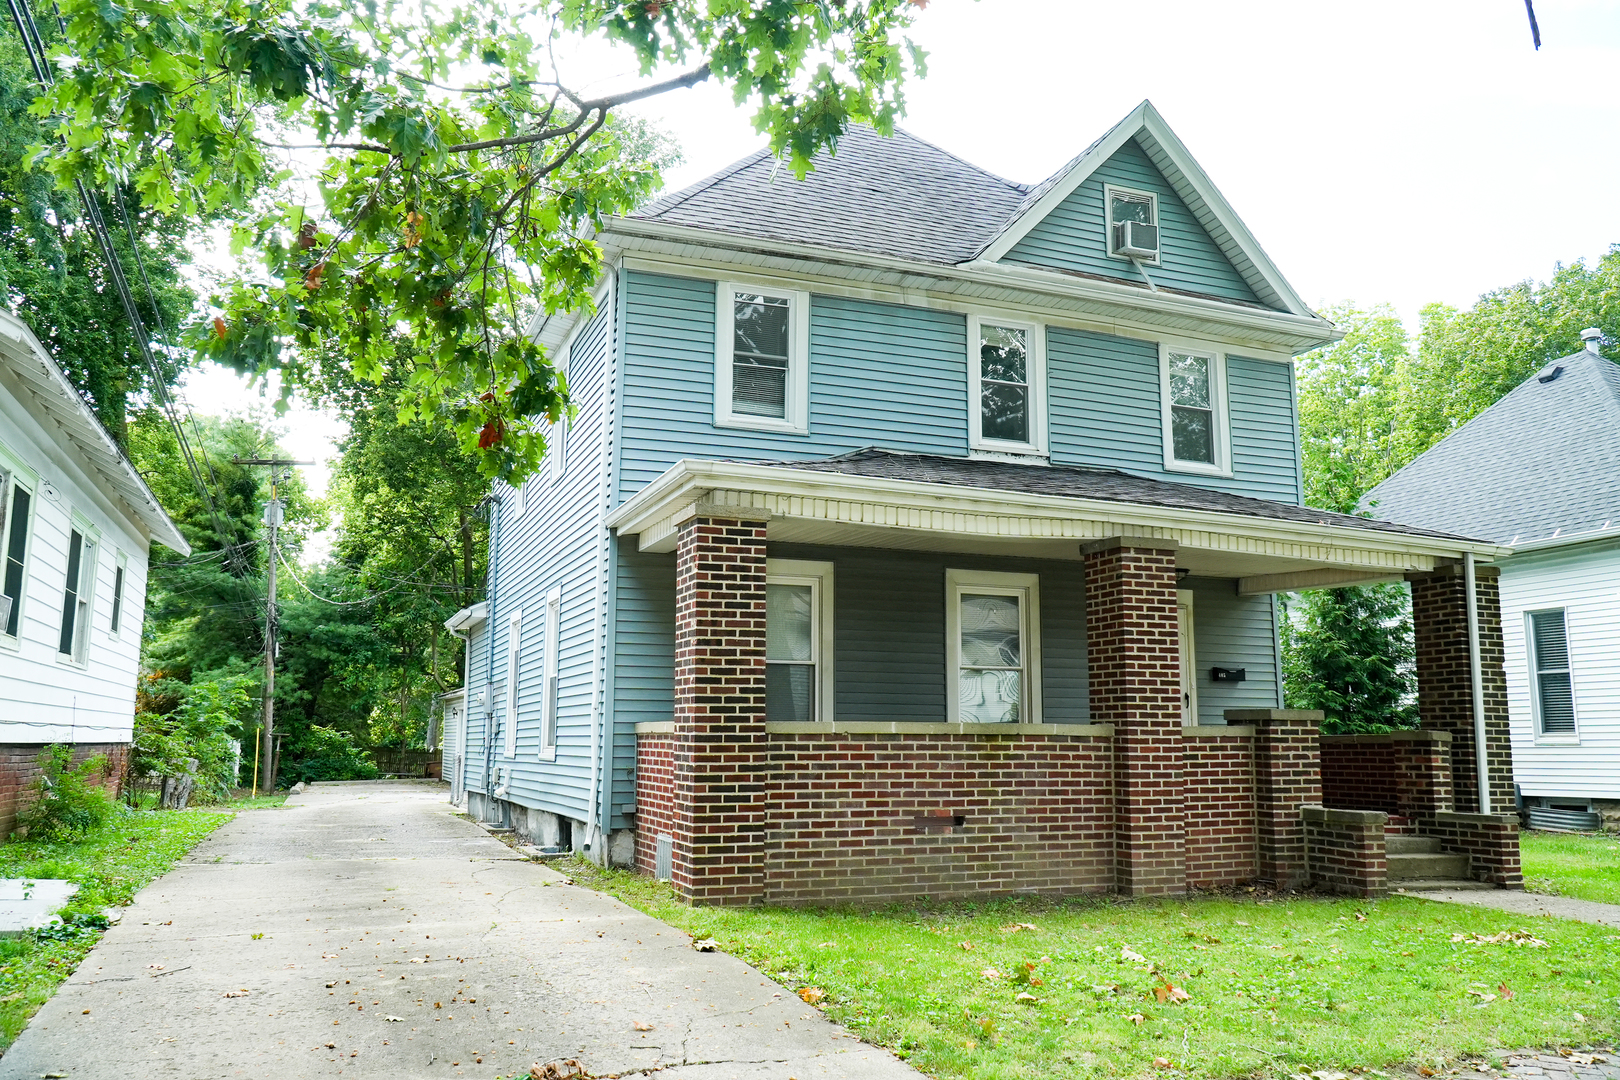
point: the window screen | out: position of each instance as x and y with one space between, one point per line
16 534
70 593
759 356
1555 697
1192 412
1004 383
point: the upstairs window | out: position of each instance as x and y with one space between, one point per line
77 595
1193 392
1006 386
992 633
117 620
798 640
14 519
762 359
1553 688
1139 208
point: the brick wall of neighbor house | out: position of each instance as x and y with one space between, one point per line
1219 772
19 769
1403 773
1445 685
1345 850
1491 841
655 795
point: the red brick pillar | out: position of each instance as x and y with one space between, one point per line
718 823
1445 686
1422 773
1287 776
1133 656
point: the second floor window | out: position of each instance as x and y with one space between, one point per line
1005 386
14 530
77 595
1193 389
761 358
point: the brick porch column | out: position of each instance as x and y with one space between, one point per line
1445 689
1287 776
1133 656
718 823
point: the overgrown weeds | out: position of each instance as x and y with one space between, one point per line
67 802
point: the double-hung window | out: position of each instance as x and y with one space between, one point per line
78 595
1006 386
1140 208
514 670
16 505
548 715
1552 686
798 640
1192 389
762 358
993 628
120 571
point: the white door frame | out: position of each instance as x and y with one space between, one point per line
1189 658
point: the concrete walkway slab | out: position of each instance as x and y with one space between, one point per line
1527 903
367 931
30 903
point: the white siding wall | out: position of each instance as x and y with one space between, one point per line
1584 580
45 697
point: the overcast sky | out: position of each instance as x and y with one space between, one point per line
1405 152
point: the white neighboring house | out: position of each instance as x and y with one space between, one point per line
76 526
1540 471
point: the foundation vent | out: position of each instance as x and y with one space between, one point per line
664 859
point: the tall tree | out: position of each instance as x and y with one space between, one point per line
433 167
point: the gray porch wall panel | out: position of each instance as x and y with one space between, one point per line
644 649
1233 631
1265 442
1073 235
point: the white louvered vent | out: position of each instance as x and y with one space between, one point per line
1554 691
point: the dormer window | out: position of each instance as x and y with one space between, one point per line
1133 224
762 358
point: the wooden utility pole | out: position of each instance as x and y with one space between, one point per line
272 519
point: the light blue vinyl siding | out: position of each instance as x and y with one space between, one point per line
551 544
1073 235
1233 631
1104 412
880 374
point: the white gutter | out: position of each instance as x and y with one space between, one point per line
1481 765
1607 532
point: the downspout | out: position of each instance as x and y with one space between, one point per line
1481 769
489 663
601 817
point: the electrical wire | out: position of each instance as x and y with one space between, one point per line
348 603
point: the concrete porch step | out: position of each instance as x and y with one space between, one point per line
1430 867
1406 844
1416 885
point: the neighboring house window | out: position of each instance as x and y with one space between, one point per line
557 434
992 634
1553 688
517 500
553 631
119 571
1125 205
514 663
77 595
762 358
1193 392
798 640
1006 385
14 518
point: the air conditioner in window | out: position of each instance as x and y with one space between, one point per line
1136 239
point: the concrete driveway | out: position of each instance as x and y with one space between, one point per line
366 931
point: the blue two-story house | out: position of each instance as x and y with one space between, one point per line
918 533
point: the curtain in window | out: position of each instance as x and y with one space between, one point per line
759 355
990 682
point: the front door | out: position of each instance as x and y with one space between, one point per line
1189 664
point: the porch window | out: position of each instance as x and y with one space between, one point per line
798 640
78 594
14 518
992 629
762 358
1006 386
1553 687
1193 392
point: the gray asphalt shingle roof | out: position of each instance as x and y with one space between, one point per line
1543 460
899 196
1079 482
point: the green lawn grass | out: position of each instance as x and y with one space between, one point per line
1582 865
130 850
1275 986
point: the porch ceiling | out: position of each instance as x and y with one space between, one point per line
801 503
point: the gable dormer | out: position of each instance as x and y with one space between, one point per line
1139 174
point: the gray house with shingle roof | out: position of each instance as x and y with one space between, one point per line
1539 471
918 532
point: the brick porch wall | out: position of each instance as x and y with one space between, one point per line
1219 772
655 795
19 769
1346 850
1406 773
1491 841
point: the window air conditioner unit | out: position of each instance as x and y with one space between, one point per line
1137 240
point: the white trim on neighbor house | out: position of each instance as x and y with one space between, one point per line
557 434
1024 587
119 600
795 419
1534 670
549 687
1185 622
1109 222
16 476
1035 376
84 595
1220 422
514 670
819 576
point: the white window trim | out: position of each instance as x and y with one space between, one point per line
1025 586
1108 221
1221 421
1036 376
819 576
86 598
797 407
1184 598
18 476
550 688
514 664
121 598
517 499
1533 668
557 435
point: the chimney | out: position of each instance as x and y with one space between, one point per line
1592 336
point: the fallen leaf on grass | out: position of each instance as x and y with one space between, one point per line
1507 995
708 944
1424 1070
967 946
1017 926
1136 1018
1027 998
1161 1063
1240 922
990 973
811 994
1128 953
1168 991
1504 937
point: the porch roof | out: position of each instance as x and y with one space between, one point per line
887 499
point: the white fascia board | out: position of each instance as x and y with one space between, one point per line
689 480
468 617
1109 301
1590 536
